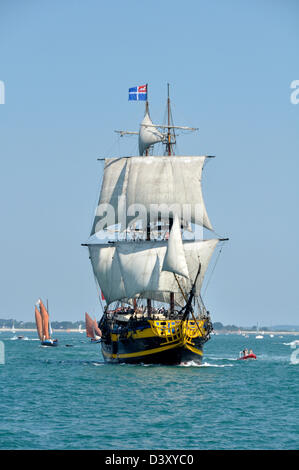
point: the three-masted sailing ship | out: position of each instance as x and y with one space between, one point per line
148 271
43 325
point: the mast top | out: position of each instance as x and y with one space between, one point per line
150 134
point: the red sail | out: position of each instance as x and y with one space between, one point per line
92 329
97 329
39 323
89 326
45 317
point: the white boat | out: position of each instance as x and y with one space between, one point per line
258 336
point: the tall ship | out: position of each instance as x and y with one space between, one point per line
147 249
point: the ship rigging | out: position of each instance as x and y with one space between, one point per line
148 272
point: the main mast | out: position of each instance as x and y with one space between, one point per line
169 149
148 227
169 153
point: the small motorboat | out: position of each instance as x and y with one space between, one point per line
248 356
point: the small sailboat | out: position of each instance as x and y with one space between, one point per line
80 329
258 336
92 330
43 325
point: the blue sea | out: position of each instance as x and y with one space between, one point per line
68 398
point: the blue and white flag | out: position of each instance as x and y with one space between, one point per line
138 93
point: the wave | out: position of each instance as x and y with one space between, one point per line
204 364
292 343
218 358
20 339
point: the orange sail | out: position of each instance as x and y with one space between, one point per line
45 318
39 323
89 325
92 329
97 329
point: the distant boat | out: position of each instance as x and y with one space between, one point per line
43 325
13 328
80 329
248 356
258 336
92 330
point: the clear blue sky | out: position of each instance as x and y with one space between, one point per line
67 66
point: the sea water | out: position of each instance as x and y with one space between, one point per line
68 398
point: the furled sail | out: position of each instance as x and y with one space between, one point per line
160 185
126 270
148 134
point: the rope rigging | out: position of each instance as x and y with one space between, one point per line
210 277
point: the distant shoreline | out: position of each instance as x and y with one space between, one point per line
252 332
66 330
218 332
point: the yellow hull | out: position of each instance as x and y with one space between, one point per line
153 341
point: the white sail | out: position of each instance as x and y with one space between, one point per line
126 270
139 269
105 264
148 134
162 185
175 259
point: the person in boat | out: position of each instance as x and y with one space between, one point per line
250 351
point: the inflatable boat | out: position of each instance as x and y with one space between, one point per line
248 356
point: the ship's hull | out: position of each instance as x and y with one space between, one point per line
153 345
50 343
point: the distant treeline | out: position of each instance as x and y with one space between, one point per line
220 326
68 325
56 325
